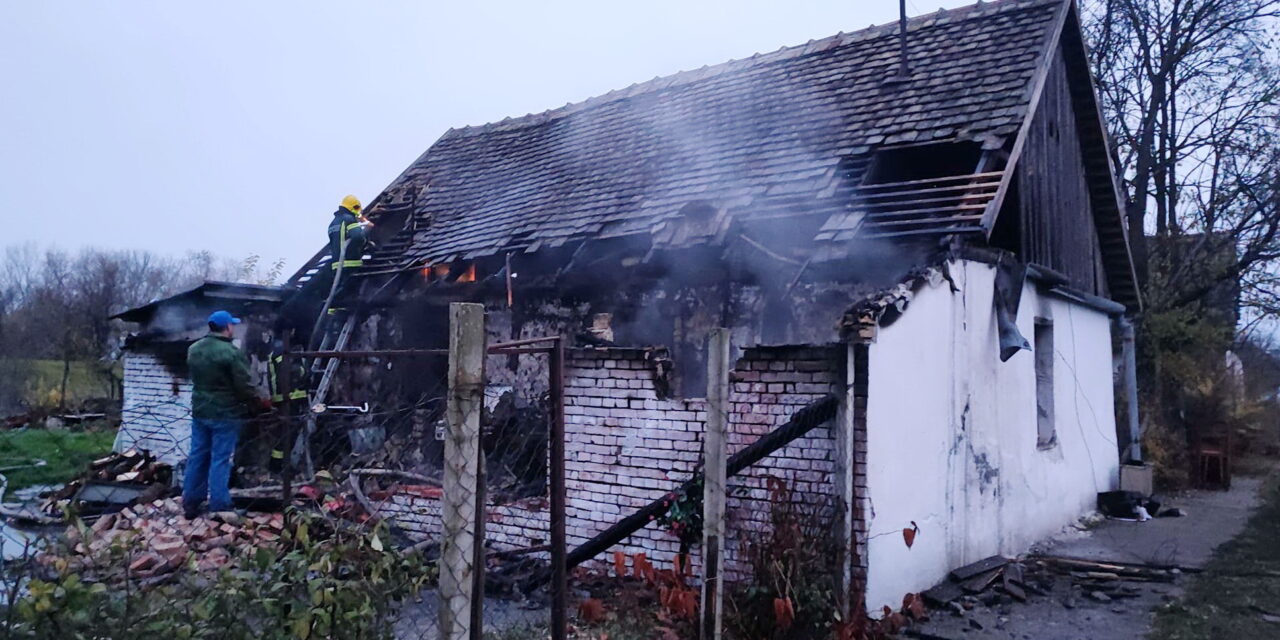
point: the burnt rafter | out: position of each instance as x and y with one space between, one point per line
949 204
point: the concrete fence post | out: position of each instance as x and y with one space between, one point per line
460 511
713 497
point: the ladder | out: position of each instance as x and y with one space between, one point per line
301 451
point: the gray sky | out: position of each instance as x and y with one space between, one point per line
237 126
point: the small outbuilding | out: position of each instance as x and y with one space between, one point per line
156 413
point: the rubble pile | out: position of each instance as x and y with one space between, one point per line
156 539
110 484
998 581
1105 581
994 576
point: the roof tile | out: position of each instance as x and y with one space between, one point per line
770 130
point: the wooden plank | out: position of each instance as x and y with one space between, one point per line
895 203
930 220
715 446
1033 102
982 566
460 511
980 582
942 594
844 472
916 232
880 215
971 176
962 188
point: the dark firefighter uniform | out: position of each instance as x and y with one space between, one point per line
296 397
347 229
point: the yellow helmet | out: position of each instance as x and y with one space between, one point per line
351 203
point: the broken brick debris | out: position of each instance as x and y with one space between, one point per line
161 539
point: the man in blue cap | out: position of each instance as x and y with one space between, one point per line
222 398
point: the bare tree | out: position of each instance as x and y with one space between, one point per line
56 305
1189 88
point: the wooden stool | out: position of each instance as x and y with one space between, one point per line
1212 458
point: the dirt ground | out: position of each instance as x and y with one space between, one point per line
1213 517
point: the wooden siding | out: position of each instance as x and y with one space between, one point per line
1058 228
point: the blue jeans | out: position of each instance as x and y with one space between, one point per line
213 443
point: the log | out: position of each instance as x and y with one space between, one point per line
804 421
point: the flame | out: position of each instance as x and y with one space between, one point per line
469 275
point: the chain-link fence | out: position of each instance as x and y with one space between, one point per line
414 504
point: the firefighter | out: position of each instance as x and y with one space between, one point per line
296 397
349 228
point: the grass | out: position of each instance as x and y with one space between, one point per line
65 452
86 379
41 379
1238 595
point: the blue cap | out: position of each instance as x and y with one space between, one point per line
222 319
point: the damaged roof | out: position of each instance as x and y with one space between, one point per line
783 134
210 293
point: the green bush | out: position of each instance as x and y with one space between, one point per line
325 580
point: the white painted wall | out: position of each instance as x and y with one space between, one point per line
951 432
156 413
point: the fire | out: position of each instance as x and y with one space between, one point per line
469 275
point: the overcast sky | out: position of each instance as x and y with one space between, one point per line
237 126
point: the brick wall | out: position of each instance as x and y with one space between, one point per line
156 412
625 447
418 512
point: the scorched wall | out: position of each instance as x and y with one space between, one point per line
952 431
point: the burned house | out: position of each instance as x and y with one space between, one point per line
932 233
156 412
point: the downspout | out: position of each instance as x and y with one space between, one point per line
1133 451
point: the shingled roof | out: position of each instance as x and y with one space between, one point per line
780 134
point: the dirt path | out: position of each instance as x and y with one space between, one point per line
1066 613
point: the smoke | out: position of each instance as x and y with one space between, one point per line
176 316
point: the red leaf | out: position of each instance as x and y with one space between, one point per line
591 610
620 563
913 607
909 535
783 613
637 566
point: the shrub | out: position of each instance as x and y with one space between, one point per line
325 580
791 591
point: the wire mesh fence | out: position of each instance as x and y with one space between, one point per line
363 516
